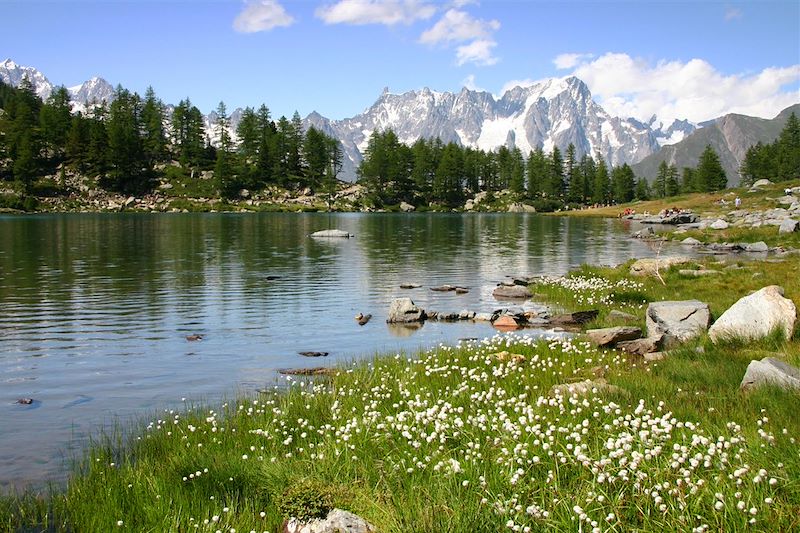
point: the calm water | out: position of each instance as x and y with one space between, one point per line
94 308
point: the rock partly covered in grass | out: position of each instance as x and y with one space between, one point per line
621 316
649 267
404 310
643 346
582 388
337 521
611 336
677 321
512 292
756 316
771 371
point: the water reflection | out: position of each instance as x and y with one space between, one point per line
95 308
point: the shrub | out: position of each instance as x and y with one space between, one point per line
305 500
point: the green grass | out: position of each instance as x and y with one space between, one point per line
463 439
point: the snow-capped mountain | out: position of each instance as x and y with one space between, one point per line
553 112
13 74
92 91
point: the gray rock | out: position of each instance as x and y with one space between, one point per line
578 318
655 356
484 317
466 315
332 233
406 207
756 316
622 316
410 285
789 226
521 208
771 371
786 200
677 321
611 336
512 292
759 246
691 241
718 224
641 346
403 310
337 521
761 183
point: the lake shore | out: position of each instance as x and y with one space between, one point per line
474 438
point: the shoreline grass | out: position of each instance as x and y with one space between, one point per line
470 438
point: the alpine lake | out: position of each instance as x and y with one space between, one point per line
95 309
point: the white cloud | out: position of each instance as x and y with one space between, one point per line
478 52
458 26
469 83
732 13
564 61
386 12
695 90
262 15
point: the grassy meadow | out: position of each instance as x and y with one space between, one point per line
470 438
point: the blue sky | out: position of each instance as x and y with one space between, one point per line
693 60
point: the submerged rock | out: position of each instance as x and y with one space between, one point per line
313 354
756 316
332 233
512 292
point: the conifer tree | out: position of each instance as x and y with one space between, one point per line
602 184
155 138
710 176
538 174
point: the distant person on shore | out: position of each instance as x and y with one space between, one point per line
738 202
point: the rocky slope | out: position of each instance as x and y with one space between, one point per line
730 135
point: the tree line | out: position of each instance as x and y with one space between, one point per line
432 172
125 144
776 161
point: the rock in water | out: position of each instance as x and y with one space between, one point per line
677 321
756 315
337 521
611 336
313 354
512 292
403 310
771 371
505 323
332 233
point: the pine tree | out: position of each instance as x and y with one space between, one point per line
517 164
125 145
315 154
574 183
295 146
642 189
266 133
55 119
623 183
155 138
77 143
555 181
447 186
333 168
688 181
224 174
788 150
537 173
710 176
602 183
672 187
660 183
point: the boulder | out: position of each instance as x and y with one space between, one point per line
691 241
771 371
759 246
648 267
641 346
332 233
406 207
465 314
410 285
337 521
677 321
469 205
761 183
786 200
611 336
756 316
506 322
484 317
789 226
578 318
521 208
403 310
718 224
511 292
